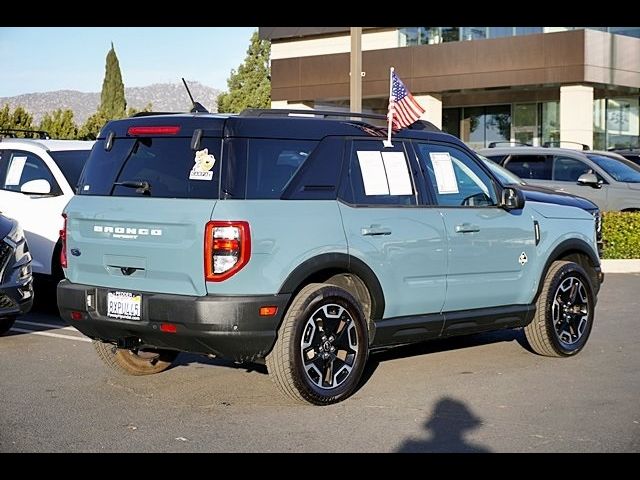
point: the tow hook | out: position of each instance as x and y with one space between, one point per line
128 343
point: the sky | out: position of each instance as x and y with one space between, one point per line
43 59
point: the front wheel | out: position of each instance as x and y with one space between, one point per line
564 312
321 348
134 362
6 323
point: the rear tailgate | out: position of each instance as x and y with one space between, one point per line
140 244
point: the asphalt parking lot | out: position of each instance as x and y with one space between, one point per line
483 393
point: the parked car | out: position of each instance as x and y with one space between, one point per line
306 242
16 285
543 194
37 179
610 183
632 154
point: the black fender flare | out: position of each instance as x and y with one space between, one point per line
339 261
569 246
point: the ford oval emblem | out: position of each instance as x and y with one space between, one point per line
75 252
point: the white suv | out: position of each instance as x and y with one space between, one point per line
37 179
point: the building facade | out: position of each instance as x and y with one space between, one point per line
533 85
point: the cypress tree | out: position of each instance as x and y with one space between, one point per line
112 102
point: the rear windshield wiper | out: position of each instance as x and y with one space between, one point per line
142 187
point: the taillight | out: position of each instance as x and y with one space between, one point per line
227 248
154 130
63 241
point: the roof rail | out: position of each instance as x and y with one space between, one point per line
284 112
13 133
515 144
560 142
150 114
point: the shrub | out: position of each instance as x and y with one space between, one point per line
621 234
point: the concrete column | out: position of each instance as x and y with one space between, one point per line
432 105
576 115
291 106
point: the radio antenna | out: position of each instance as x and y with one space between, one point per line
197 106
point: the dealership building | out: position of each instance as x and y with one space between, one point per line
483 84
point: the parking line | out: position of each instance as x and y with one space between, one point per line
49 334
47 325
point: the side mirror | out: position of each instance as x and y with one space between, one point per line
512 199
36 187
589 179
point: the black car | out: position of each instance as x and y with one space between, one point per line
16 283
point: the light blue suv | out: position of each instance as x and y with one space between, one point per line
307 242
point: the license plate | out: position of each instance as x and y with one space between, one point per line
124 305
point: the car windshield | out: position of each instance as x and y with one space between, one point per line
618 169
504 175
71 163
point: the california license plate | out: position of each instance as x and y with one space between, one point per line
124 305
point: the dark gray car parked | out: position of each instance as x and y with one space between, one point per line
611 183
16 283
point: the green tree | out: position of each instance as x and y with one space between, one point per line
59 124
112 101
250 86
92 127
5 117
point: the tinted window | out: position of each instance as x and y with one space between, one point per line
566 169
456 178
505 176
71 163
535 167
23 167
618 169
378 176
272 163
167 164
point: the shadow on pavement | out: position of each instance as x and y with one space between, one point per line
446 429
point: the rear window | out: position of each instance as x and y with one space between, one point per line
71 163
168 165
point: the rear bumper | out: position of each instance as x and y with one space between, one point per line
225 326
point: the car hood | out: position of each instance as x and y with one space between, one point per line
546 195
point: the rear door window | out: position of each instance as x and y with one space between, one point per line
567 169
168 165
23 167
529 167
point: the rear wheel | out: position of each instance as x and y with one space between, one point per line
5 324
564 312
322 346
134 362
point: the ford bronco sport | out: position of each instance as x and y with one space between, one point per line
306 242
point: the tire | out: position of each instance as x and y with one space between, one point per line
6 323
130 362
564 312
326 323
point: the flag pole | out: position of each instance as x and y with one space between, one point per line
387 143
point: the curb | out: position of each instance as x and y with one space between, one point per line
621 266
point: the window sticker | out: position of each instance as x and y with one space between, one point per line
204 162
373 174
395 164
443 169
15 171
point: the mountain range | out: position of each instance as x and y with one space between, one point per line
164 97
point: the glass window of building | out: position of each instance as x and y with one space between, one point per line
497 32
473 127
451 121
622 122
483 125
528 30
474 33
550 122
450 34
628 31
525 123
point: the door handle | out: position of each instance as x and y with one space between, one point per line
375 230
467 228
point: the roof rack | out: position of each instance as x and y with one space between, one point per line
150 114
617 149
13 133
283 112
515 144
560 142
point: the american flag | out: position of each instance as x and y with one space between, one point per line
403 108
